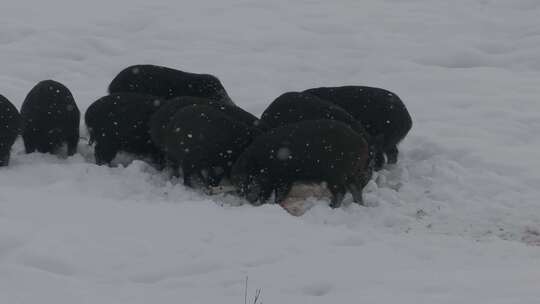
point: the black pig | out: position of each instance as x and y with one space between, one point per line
10 128
50 119
312 151
168 83
160 120
120 122
205 142
381 112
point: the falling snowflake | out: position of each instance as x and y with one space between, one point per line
284 153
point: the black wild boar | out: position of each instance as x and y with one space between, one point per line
168 83
381 112
309 152
50 119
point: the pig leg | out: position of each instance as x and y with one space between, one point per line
392 155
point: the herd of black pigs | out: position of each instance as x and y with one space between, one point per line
186 122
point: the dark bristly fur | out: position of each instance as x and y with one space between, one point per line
120 122
10 128
50 119
381 112
205 142
313 151
163 116
168 83
293 107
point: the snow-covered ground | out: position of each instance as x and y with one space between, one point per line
457 220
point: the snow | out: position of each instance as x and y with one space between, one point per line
457 219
